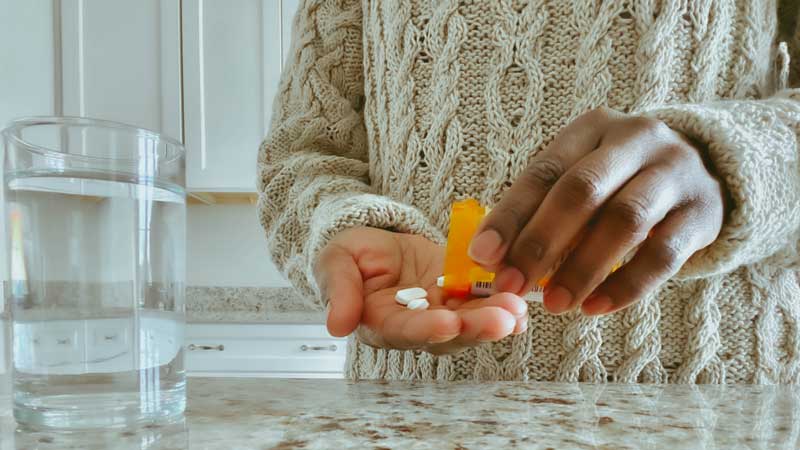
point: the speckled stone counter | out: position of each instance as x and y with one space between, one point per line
333 414
248 305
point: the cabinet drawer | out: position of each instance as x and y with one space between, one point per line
263 350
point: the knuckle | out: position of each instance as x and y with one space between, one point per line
631 214
667 257
526 254
510 214
633 289
542 173
680 154
715 213
703 227
579 274
600 113
650 126
527 251
582 187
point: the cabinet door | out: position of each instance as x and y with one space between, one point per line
27 84
232 64
264 350
120 60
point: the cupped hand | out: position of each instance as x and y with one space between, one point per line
608 184
361 269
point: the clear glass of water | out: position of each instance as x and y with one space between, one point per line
95 250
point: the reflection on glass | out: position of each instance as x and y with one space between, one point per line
19 276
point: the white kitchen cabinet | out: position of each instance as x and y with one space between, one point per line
232 64
120 60
264 350
27 81
213 349
204 72
26 73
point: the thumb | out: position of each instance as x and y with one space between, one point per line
341 283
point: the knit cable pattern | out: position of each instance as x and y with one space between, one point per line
388 111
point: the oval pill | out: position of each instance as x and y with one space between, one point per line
419 303
403 296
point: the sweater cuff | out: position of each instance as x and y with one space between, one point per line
754 153
361 210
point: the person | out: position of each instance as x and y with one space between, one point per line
593 129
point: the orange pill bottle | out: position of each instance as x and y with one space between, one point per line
463 277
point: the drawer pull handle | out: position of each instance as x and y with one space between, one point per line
319 348
193 347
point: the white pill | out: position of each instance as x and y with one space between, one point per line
440 281
419 303
404 296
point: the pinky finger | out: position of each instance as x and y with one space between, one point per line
672 242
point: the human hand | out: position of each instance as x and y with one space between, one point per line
361 269
606 184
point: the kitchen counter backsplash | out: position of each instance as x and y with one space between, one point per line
203 304
248 304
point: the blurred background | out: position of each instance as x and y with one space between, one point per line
202 72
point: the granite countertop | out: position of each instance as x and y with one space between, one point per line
333 414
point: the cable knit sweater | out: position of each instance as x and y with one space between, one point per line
388 111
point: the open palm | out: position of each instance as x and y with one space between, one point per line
360 271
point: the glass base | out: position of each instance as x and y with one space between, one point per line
98 411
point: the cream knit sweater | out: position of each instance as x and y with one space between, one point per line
389 110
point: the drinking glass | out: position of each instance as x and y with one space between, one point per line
95 225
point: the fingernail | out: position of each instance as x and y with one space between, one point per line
509 279
440 339
522 329
485 247
557 300
597 304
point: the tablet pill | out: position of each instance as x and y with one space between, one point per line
419 303
404 296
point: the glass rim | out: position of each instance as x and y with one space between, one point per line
31 121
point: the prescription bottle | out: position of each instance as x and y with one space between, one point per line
463 277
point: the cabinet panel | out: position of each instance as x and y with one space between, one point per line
121 61
26 77
300 350
231 71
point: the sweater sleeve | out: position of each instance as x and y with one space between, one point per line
753 147
313 166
